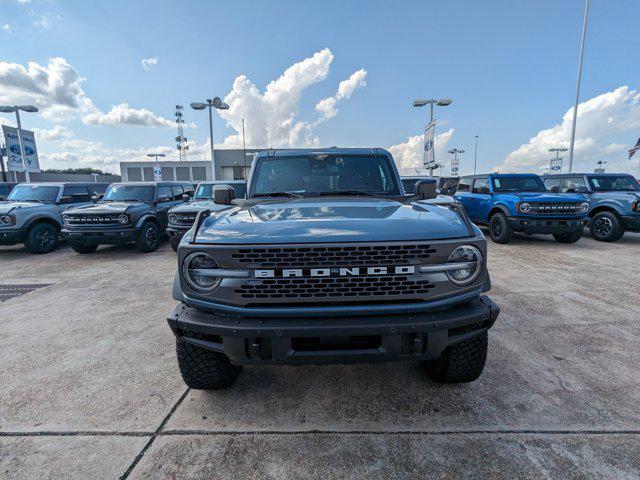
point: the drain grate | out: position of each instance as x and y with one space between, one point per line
7 292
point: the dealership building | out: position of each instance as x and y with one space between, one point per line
231 164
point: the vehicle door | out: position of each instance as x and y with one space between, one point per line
482 202
463 193
164 201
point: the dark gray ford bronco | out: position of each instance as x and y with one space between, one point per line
328 261
128 212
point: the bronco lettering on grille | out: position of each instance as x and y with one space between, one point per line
334 272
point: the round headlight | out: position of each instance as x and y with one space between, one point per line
584 207
5 220
470 260
173 218
123 218
525 207
194 270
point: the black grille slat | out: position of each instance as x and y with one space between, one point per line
311 257
185 218
98 219
335 287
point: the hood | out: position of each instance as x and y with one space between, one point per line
197 205
104 207
547 197
7 207
331 220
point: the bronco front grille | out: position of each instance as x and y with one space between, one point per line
98 219
353 256
335 287
183 218
557 208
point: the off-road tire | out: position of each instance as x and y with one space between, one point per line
149 237
461 362
570 237
203 369
42 238
606 227
499 229
174 241
80 247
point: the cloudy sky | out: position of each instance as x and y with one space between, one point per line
107 75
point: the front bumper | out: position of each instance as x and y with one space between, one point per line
547 225
631 223
178 232
10 236
322 340
97 236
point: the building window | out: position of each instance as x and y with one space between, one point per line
133 174
147 173
199 173
167 173
238 173
182 174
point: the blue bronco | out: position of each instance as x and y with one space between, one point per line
508 203
614 201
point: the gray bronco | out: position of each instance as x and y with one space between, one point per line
32 213
328 261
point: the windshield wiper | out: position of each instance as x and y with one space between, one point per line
278 194
349 192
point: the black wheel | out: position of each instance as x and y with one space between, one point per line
203 369
148 238
499 229
606 227
570 237
82 247
459 363
174 241
42 238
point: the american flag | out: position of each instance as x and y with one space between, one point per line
634 149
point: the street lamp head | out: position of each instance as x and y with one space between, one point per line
453 150
443 102
7 109
217 102
28 108
419 102
224 106
198 105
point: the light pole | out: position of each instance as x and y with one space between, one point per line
575 107
157 177
17 108
218 104
475 156
557 150
455 152
441 102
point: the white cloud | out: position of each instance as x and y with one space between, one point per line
327 106
147 63
408 155
6 27
61 157
603 123
271 116
123 114
55 88
56 133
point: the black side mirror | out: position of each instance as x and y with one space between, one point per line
96 198
66 199
425 189
3 198
186 197
555 189
223 194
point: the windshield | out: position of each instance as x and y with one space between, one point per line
205 191
326 174
34 193
622 183
123 193
518 184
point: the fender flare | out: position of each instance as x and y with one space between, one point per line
498 207
606 207
42 219
145 217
